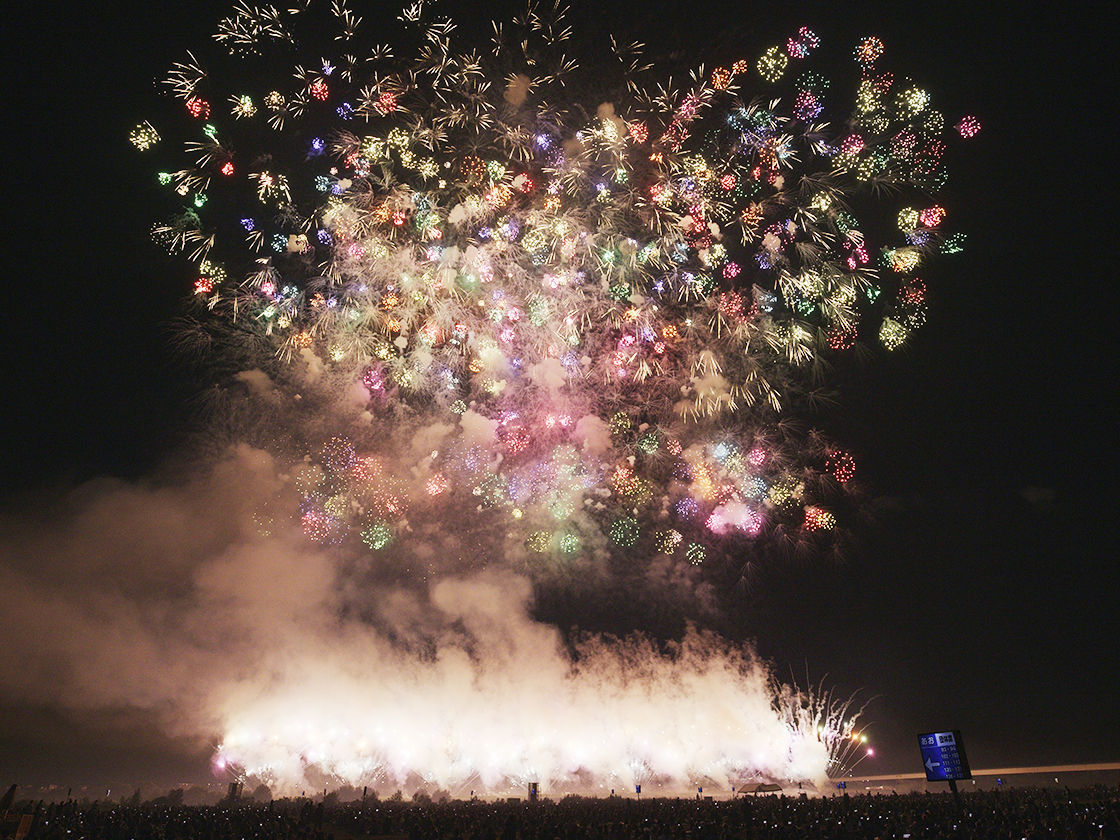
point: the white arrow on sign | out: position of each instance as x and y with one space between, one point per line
930 764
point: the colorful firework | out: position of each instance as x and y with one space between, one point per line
491 322
594 315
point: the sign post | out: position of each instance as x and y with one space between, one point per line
944 758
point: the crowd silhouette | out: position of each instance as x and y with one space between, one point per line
1020 814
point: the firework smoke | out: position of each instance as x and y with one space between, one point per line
168 599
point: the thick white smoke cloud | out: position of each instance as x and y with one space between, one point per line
170 599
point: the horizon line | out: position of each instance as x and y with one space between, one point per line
1002 771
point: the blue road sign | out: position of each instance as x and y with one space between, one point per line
943 756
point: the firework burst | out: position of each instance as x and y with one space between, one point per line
550 331
604 308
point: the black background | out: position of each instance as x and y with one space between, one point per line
983 597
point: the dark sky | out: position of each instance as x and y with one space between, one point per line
982 596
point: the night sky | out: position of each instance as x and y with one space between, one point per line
981 592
